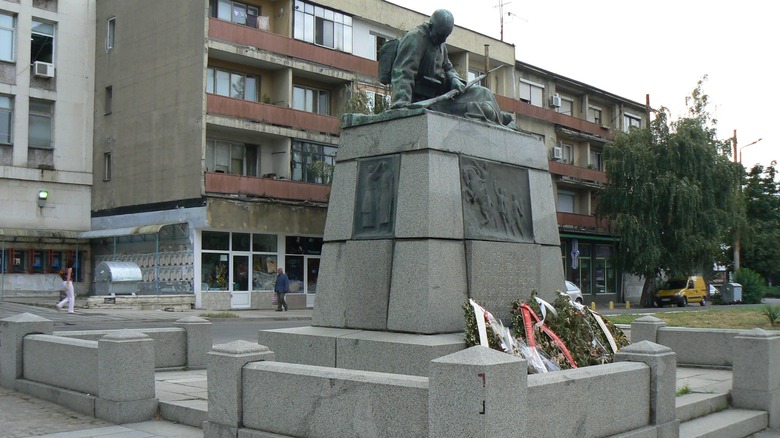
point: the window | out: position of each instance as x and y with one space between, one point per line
568 153
321 26
473 74
108 100
312 162
107 166
110 33
42 45
311 100
233 158
532 93
231 84
377 102
565 201
7 37
235 12
41 115
631 121
594 115
6 119
596 161
567 106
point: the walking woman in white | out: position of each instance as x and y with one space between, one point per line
69 294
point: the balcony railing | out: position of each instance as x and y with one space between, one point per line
271 114
582 222
577 173
266 187
539 113
271 42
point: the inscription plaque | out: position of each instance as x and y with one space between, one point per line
376 196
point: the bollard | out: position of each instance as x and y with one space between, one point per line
628 304
611 305
592 305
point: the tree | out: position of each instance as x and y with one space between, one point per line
761 235
671 194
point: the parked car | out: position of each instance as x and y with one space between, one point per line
574 292
713 291
682 290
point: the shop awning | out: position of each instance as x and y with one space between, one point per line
38 234
130 231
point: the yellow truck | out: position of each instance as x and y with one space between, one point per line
681 291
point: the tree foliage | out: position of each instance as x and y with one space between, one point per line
760 238
671 193
752 282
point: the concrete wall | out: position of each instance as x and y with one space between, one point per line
68 177
155 130
694 346
170 344
65 363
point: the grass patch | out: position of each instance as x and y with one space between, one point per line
218 315
682 391
726 317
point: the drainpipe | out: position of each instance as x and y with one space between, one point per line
3 262
157 262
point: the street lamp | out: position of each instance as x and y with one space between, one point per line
737 243
743 147
43 195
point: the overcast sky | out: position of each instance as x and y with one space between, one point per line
661 48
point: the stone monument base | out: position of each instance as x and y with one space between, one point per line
386 352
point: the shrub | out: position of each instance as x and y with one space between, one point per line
772 313
752 285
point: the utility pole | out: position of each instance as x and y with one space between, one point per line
487 65
739 192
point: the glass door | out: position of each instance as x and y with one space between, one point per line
239 294
312 275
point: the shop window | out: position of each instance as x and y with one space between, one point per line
241 242
304 245
264 243
215 270
312 162
214 240
264 271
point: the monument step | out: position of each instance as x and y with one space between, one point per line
189 412
731 423
695 405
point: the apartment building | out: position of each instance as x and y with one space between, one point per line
216 124
46 105
575 121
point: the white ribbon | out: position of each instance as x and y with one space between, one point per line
542 305
606 331
479 313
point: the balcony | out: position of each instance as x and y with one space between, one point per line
576 174
526 109
266 187
271 114
271 42
581 222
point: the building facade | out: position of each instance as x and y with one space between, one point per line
46 105
205 149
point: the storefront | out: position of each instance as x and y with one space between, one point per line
588 262
238 269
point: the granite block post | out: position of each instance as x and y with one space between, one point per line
663 380
226 363
756 373
198 340
646 329
12 333
125 377
477 392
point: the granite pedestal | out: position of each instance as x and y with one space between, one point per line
426 211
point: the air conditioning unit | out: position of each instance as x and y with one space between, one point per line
555 101
43 69
558 153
